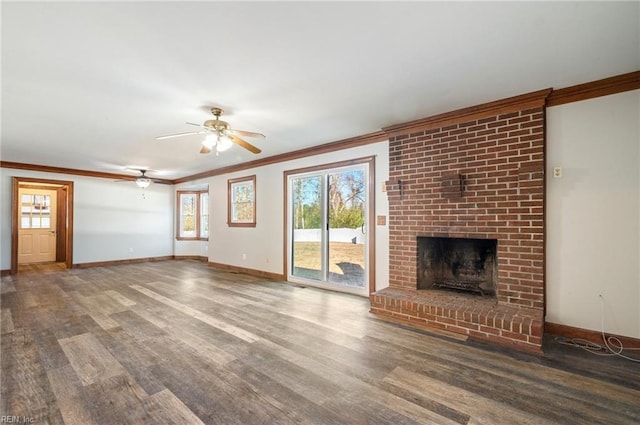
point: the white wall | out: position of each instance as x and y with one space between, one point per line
593 214
191 248
112 220
264 244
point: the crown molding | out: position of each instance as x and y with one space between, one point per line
73 171
604 87
525 101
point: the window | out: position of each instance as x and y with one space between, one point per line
193 215
241 207
35 211
204 215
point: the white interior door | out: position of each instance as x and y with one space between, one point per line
37 230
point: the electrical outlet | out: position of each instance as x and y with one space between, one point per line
244 256
557 172
130 249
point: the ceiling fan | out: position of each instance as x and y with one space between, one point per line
142 181
219 135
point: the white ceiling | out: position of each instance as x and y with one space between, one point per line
90 85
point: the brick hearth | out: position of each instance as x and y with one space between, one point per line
497 152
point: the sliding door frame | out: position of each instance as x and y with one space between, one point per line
370 219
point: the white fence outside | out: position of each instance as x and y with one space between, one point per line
354 236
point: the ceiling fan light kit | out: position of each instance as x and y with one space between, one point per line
220 142
219 135
143 182
224 143
210 141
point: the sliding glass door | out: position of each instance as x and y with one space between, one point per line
327 228
307 256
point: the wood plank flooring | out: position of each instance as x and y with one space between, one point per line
177 342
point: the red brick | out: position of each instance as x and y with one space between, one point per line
502 160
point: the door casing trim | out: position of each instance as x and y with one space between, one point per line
66 217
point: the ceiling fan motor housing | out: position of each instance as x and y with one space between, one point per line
216 125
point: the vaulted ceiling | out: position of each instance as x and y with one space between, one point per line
91 85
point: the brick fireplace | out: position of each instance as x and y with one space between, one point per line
476 175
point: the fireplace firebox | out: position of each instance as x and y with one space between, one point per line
458 264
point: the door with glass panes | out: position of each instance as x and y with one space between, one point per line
327 228
37 230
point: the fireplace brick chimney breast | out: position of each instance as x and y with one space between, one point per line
499 158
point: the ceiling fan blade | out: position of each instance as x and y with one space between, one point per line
248 146
141 169
160 181
192 123
169 136
205 149
246 133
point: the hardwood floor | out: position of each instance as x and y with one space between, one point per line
177 342
41 267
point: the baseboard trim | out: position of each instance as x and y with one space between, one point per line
5 272
251 272
191 257
121 262
589 335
